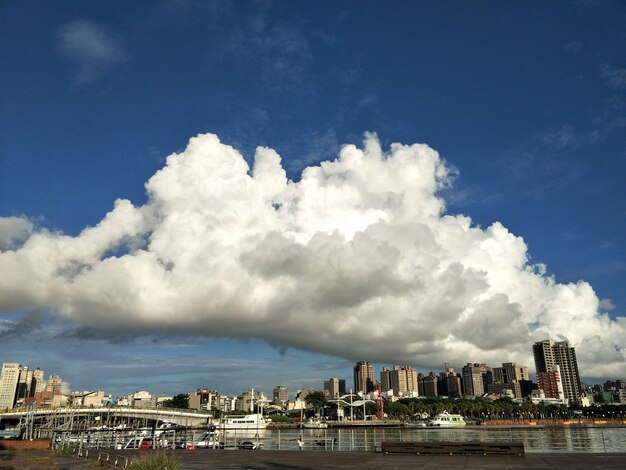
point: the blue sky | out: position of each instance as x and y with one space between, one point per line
526 102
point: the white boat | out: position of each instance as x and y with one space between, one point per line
314 424
447 420
250 422
207 439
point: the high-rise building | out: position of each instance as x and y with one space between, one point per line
403 380
280 395
511 377
9 380
335 387
385 380
54 385
38 383
476 379
24 385
363 377
430 385
551 384
449 383
510 372
549 354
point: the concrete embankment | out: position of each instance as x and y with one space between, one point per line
221 459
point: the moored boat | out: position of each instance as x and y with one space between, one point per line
447 420
253 421
314 424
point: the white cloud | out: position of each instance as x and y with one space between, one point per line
573 47
93 50
614 77
357 259
13 230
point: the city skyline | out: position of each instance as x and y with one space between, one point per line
191 192
555 362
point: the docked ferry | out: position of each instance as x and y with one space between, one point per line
254 421
447 420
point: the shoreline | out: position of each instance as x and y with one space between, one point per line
219 459
513 423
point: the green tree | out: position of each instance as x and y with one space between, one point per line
395 409
180 401
316 400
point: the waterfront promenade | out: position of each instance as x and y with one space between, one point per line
247 459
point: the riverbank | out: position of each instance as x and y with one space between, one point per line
342 424
495 423
216 459
555 422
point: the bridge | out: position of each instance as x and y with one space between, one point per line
44 423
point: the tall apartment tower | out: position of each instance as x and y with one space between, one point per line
280 395
549 354
363 377
476 379
9 380
449 383
38 383
385 380
429 385
54 385
24 385
510 372
403 380
335 387
551 384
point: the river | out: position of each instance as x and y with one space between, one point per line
597 439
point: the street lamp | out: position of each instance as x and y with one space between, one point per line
351 407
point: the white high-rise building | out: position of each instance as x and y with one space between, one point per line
549 354
39 384
9 380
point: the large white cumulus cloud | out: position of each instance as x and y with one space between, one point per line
357 259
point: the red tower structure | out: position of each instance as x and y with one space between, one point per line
380 413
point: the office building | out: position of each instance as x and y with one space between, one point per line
363 377
549 354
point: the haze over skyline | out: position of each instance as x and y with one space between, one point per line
418 185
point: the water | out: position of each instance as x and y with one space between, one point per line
535 439
595 439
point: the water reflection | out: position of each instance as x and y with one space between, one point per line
535 439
